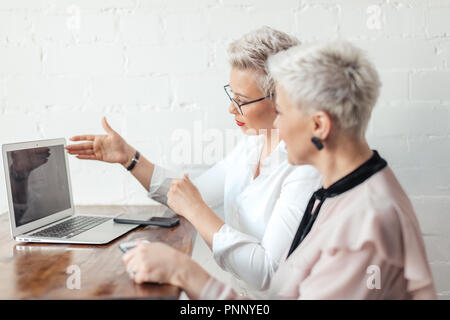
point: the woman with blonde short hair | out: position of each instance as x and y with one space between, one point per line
359 237
262 195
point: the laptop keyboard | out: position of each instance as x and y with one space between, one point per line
71 227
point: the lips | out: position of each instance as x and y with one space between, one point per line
240 124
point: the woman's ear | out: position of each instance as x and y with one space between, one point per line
322 124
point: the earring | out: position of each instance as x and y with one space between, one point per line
317 143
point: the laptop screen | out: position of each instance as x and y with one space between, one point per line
39 184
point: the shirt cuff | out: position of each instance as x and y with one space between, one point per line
160 184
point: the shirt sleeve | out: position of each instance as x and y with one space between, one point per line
160 184
349 274
255 261
361 258
339 275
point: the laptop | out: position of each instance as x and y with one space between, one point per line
40 198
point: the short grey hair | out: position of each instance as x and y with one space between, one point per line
251 51
336 77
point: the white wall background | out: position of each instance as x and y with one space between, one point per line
153 66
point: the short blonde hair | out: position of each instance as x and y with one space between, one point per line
252 50
336 77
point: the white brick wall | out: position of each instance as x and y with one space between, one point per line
153 66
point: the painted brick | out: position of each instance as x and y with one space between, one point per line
130 91
172 59
438 24
14 28
317 22
141 28
85 60
401 54
411 119
430 85
17 60
43 91
395 85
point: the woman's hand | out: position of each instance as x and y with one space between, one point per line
160 263
109 148
184 198
153 262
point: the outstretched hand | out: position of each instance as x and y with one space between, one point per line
110 147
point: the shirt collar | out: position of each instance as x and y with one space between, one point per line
354 178
273 160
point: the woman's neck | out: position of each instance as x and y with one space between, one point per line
336 162
271 141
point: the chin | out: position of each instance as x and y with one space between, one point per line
248 131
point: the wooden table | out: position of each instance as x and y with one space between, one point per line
42 271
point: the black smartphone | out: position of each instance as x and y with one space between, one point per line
153 221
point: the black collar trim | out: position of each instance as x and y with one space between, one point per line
359 175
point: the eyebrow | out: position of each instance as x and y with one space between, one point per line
240 94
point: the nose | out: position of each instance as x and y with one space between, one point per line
232 108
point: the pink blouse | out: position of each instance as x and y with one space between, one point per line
365 244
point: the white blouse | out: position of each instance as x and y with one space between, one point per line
261 215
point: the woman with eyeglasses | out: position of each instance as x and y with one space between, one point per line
263 196
359 237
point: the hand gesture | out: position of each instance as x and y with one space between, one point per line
110 147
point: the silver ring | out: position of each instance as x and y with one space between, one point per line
132 273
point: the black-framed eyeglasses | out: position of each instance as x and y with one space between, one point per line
238 106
